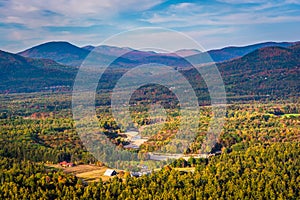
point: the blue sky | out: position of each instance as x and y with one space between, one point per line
213 24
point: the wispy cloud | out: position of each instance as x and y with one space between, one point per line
24 23
36 13
259 12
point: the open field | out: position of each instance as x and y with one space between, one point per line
88 173
291 115
185 169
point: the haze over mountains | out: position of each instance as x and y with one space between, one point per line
69 54
261 69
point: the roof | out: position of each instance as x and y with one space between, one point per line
131 133
65 163
110 172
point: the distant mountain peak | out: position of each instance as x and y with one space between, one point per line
88 47
187 52
60 51
110 50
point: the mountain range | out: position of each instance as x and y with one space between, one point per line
69 54
228 53
261 69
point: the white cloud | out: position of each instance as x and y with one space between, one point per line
183 6
260 1
31 13
18 40
26 23
292 1
242 2
219 15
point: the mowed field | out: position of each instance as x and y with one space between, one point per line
185 169
88 173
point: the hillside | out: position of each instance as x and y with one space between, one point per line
270 71
228 53
19 74
267 72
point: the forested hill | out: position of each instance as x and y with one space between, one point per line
258 173
228 53
269 71
20 74
62 52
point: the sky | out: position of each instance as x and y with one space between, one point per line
212 23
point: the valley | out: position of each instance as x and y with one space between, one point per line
256 154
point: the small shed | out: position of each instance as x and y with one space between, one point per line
135 174
110 172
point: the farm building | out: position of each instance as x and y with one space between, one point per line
66 164
141 173
110 172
